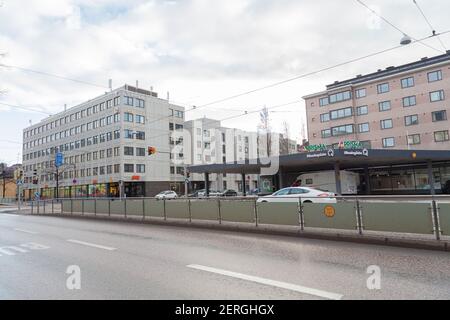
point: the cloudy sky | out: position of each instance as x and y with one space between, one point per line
198 50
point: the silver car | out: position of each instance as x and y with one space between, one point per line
307 195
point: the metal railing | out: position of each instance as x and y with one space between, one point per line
416 215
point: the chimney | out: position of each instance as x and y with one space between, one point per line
137 84
168 95
110 84
65 107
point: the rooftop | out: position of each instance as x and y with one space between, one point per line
424 62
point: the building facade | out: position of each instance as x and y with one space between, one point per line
211 143
403 107
105 147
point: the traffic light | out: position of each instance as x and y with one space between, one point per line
151 151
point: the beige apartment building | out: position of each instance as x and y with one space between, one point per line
404 107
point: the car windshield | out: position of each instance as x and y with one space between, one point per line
282 192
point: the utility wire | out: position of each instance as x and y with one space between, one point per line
429 24
25 108
395 27
298 77
53 75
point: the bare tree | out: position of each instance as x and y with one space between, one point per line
57 173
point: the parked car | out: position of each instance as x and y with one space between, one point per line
229 193
307 195
166 195
201 194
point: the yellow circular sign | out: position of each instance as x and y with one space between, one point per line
329 211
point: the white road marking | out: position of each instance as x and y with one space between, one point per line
5 213
283 285
92 245
26 231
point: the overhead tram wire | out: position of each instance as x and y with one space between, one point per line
26 108
238 116
429 24
53 76
305 75
397 28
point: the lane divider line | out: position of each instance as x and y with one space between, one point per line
26 231
273 283
91 245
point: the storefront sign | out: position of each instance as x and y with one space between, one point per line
136 178
329 153
316 147
357 153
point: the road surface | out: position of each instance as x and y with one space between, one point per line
119 260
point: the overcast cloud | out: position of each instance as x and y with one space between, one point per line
199 50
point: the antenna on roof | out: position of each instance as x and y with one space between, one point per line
110 84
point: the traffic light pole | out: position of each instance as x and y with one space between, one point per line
57 183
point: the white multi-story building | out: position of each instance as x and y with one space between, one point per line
105 145
212 144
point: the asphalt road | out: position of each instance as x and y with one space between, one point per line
119 260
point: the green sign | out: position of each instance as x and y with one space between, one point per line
316 147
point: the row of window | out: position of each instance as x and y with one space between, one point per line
414 139
381 89
130 117
97 139
100 123
77 116
382 106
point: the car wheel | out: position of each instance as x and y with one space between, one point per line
307 201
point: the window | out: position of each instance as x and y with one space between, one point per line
140 103
140 119
116 101
172 170
117 168
178 127
109 169
140 152
116 117
109 120
102 170
116 151
128 117
441 136
408 82
117 134
413 139
360 93
180 170
439 115
324 101
386 124
383 88
363 127
140 168
128 134
108 136
341 113
128 168
384 106
342 130
128 101
341 96
411 120
388 142
325 117
128 151
109 153
179 114
437 96
140 135
435 76
326 133
409 101
362 110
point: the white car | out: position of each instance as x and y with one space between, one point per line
166 195
307 195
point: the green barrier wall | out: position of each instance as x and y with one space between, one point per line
233 211
397 217
278 213
117 207
135 207
77 206
176 209
205 210
154 208
102 206
89 206
444 218
65 205
344 216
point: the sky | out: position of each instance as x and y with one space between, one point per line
200 51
